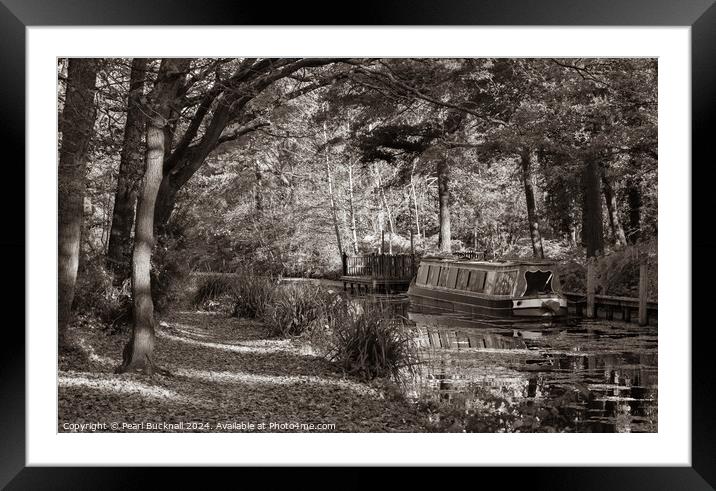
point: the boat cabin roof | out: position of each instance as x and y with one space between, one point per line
510 264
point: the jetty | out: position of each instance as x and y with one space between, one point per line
378 273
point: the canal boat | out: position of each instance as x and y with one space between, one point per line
510 291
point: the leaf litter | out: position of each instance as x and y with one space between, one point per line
224 370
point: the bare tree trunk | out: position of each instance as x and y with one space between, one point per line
387 210
138 351
634 201
379 219
592 228
613 211
444 202
333 207
535 236
130 169
258 189
329 176
354 234
76 124
415 200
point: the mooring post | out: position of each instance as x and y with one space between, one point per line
643 315
590 287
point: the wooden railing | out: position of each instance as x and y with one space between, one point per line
477 255
382 266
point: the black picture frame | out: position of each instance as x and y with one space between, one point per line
16 15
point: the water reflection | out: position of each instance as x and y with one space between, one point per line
597 376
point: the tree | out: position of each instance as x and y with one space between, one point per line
137 354
444 237
224 105
535 236
331 195
610 198
130 169
592 228
76 125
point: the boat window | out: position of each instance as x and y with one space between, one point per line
433 275
443 276
423 274
505 282
538 282
462 276
452 278
477 281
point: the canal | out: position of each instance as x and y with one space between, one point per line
587 376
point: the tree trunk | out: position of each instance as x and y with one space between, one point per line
130 169
138 351
415 200
258 189
526 164
444 202
634 201
174 179
76 125
166 199
333 207
379 233
387 210
329 176
613 211
592 229
354 233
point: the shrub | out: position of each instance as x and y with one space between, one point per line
618 273
573 277
369 343
170 270
296 309
211 288
96 294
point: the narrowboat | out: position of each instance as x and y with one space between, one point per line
515 291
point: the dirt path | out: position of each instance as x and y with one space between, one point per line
227 376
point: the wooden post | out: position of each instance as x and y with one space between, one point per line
344 259
643 315
590 287
382 241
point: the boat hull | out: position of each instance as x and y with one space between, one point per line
545 308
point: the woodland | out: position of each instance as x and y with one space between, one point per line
173 170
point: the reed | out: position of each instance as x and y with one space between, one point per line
251 294
211 289
293 310
370 344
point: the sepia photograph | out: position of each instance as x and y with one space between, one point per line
360 245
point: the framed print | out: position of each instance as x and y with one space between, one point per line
407 237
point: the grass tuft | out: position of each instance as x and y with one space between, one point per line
211 289
251 294
369 343
296 309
